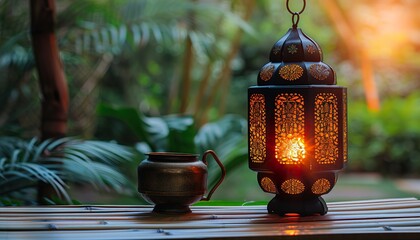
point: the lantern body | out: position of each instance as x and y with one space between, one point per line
297 126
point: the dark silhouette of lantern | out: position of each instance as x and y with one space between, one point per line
297 125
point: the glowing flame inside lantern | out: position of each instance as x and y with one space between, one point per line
291 150
295 150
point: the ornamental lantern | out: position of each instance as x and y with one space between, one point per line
297 125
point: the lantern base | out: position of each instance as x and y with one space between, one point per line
304 207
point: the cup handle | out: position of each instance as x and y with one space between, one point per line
222 168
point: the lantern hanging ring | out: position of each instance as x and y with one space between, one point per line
295 15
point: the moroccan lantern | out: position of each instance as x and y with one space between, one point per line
297 125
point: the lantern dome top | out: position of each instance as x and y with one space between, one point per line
295 46
296 59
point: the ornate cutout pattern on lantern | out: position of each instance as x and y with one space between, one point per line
257 133
345 127
319 71
326 128
289 128
268 185
310 49
267 72
293 186
277 50
321 186
291 72
292 49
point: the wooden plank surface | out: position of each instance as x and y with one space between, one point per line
374 219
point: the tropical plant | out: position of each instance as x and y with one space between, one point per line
57 163
179 133
103 41
228 137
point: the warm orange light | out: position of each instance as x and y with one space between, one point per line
291 232
295 150
385 28
291 150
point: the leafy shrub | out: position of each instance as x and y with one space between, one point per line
387 141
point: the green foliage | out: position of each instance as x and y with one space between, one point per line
387 141
145 40
5 201
227 136
58 162
170 133
109 27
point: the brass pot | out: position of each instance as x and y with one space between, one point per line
174 181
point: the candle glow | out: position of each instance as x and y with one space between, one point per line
291 150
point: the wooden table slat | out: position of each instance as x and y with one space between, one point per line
377 219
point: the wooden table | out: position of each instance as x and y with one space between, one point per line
372 219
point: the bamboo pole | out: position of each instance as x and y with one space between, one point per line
82 107
186 78
236 43
204 83
221 85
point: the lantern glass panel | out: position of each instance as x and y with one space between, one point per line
290 128
326 128
257 128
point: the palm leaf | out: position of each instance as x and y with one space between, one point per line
139 22
169 133
23 163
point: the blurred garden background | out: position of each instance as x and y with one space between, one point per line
172 75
